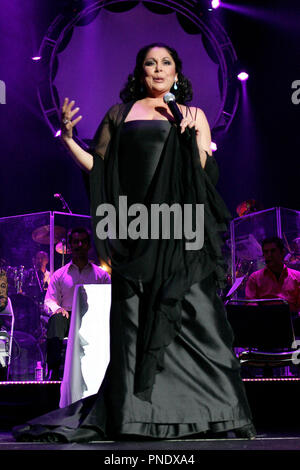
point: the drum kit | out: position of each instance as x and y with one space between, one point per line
27 289
292 259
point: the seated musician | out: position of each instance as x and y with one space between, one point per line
38 276
3 304
59 296
276 280
3 293
3 290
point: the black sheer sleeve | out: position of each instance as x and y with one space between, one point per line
211 169
105 131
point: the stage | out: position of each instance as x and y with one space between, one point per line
264 442
274 404
247 89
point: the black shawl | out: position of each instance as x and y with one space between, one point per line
159 271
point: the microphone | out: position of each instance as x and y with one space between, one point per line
64 204
169 99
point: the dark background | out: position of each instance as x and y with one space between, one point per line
258 156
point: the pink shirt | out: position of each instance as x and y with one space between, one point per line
263 284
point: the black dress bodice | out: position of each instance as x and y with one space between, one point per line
140 148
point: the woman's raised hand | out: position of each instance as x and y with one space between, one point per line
67 122
82 158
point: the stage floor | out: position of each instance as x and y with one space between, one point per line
264 442
274 404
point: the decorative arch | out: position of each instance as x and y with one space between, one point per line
191 20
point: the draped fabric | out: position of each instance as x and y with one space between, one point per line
172 372
160 270
199 390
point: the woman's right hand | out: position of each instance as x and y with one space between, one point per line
82 158
67 115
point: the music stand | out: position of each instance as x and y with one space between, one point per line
261 326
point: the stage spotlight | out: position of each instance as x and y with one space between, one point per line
243 76
58 133
213 146
215 4
36 58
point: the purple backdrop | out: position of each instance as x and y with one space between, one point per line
94 66
258 156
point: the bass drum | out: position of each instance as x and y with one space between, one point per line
27 314
26 351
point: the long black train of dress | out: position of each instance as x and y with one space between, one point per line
198 390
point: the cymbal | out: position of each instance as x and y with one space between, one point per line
62 249
42 234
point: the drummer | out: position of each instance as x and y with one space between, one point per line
39 276
41 261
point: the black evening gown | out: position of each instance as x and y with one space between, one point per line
199 388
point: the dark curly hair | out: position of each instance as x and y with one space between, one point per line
278 242
79 230
133 90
